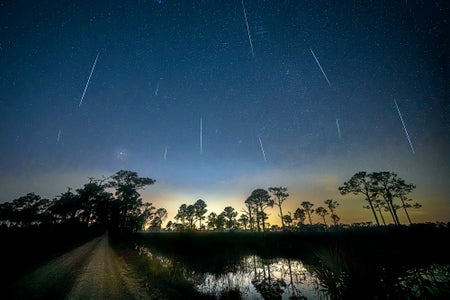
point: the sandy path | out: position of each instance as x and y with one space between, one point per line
91 271
106 276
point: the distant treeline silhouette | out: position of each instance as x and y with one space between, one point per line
114 203
384 192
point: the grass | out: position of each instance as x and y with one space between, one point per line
367 262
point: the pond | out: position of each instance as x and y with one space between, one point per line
250 276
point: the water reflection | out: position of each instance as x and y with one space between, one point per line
251 277
258 278
329 276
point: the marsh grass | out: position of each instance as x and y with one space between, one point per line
367 263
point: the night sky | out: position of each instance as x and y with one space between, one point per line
269 116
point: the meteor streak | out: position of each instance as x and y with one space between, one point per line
262 149
338 128
404 127
165 153
59 136
248 28
318 63
157 89
89 79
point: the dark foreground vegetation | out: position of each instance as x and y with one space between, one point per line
377 262
420 243
395 262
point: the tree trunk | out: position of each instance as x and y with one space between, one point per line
281 215
373 209
381 215
404 208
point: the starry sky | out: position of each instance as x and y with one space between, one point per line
185 93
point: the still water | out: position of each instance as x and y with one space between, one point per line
254 277
257 278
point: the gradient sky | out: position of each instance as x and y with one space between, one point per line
165 65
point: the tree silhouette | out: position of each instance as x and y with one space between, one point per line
250 211
391 186
280 194
362 183
287 219
91 205
244 220
65 207
220 221
308 209
6 214
322 212
181 215
159 216
387 183
406 205
145 216
300 215
230 216
190 216
212 220
126 185
200 211
95 203
260 200
332 205
335 219
25 211
378 204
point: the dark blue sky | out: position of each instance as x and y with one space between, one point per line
164 65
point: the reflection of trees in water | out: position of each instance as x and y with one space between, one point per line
335 273
253 277
257 278
269 286
297 274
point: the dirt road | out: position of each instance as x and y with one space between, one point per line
91 271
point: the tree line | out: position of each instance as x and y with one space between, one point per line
112 203
115 203
385 193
